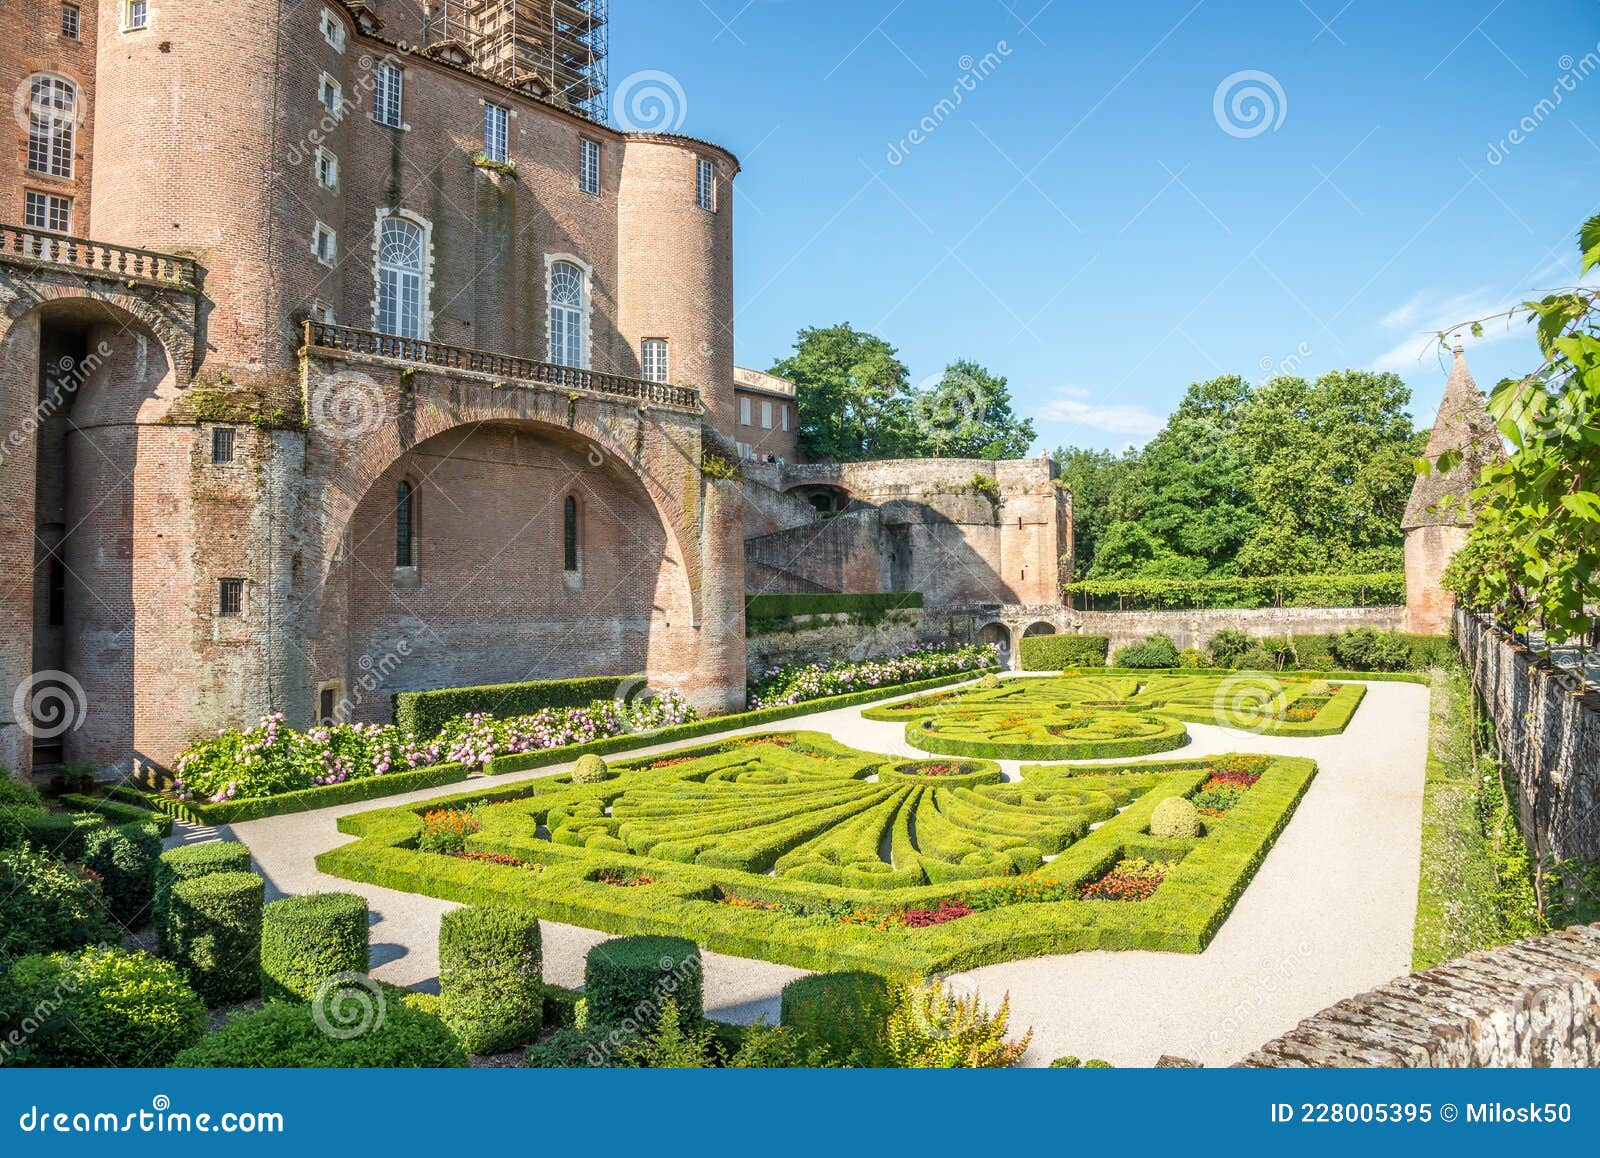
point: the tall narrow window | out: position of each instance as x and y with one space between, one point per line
388 95
569 534
705 185
52 125
47 211
653 360
136 15
589 165
400 273
332 30
70 19
405 521
744 412
325 244
568 308
57 610
331 94
786 416
230 598
497 133
766 415
327 169
327 706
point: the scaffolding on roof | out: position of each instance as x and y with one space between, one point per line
556 48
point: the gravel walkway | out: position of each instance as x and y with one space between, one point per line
1329 914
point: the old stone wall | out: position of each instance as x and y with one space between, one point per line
842 553
1194 628
828 638
1548 726
1535 1003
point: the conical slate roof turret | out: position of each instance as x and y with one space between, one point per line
1463 425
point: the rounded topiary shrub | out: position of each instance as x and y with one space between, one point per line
628 980
590 769
845 1012
214 935
490 992
307 940
47 904
126 859
1156 652
1175 816
62 834
287 1036
106 1007
192 861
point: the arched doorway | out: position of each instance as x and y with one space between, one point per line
826 499
1000 636
500 552
1035 629
93 487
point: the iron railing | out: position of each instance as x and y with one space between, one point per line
509 367
100 259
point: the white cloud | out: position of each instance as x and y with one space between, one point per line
1427 313
1076 407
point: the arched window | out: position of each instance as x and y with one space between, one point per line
401 268
569 309
405 525
52 124
569 534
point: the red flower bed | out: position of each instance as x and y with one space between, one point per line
1242 771
1130 880
947 911
498 858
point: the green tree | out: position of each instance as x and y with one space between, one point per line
1090 476
853 396
968 414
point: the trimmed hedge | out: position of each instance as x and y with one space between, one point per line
1384 589
109 1008
47 904
424 714
777 607
118 812
490 993
845 1012
190 862
629 979
126 859
288 1036
1058 652
214 935
63 835
307 940
310 799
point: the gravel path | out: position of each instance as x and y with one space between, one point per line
1329 914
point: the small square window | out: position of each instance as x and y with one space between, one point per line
705 185
222 445
332 30
331 94
327 169
230 598
325 244
497 133
322 313
71 18
47 211
589 166
136 15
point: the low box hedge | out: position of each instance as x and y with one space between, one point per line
1058 652
310 799
424 714
781 606
190 862
490 992
306 941
117 811
213 934
628 980
289 1036
126 859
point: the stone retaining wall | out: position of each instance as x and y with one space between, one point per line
1534 1003
816 638
1548 727
1194 628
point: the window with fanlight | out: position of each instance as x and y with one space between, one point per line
402 278
52 124
569 315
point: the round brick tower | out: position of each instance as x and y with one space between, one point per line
675 262
210 101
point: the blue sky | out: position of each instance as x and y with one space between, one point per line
1092 223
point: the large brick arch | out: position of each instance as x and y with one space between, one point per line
169 315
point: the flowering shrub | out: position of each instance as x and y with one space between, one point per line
446 830
784 686
272 759
1131 880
